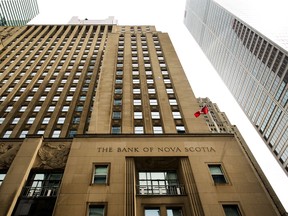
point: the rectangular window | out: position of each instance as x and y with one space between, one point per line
176 115
15 120
7 134
174 212
100 175
116 115
138 115
217 173
153 102
231 210
157 130
116 130
56 133
159 183
96 210
117 102
152 211
2 176
31 120
65 108
61 120
139 130
46 120
23 134
51 109
155 115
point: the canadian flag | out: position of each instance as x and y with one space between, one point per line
204 110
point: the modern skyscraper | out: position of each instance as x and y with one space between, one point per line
253 67
17 12
98 120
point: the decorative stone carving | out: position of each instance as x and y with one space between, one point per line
53 155
8 152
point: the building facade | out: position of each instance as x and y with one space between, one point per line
98 120
17 12
253 68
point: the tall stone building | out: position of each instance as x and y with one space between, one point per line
99 120
253 67
17 12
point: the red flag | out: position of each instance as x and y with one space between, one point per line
204 110
197 114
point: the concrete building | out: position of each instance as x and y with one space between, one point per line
17 12
253 67
99 120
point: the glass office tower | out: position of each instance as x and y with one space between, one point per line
17 12
252 66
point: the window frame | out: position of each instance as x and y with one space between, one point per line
223 172
107 182
234 204
104 204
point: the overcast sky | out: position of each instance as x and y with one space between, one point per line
167 16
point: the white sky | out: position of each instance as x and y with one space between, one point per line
167 16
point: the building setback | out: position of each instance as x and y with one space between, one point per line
253 68
17 12
99 120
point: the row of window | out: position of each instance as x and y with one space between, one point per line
101 210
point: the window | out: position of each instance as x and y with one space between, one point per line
159 183
61 120
72 133
100 175
139 130
138 115
169 91
65 108
2 120
69 98
7 134
118 91
42 98
2 176
96 210
23 134
157 130
46 120
174 212
56 133
231 210
37 108
116 130
180 129
31 120
153 102
117 102
137 102
23 108
155 115
151 91
176 115
152 211
136 91
40 132
15 120
51 108
116 115
217 173
9 108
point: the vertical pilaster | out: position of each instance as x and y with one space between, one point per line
17 175
191 189
130 188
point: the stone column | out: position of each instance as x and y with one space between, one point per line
17 175
130 188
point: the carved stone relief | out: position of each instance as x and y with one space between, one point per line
53 156
8 152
